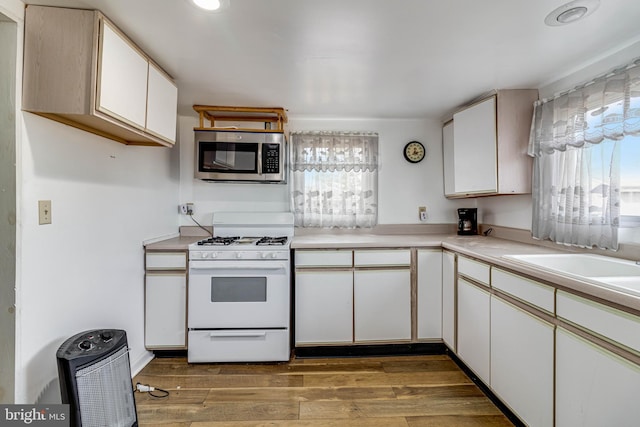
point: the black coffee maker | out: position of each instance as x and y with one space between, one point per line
467 221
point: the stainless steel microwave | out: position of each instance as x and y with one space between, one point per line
236 156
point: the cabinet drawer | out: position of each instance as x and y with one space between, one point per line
613 324
166 261
382 258
529 291
246 345
328 258
475 270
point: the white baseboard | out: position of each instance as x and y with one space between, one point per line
142 361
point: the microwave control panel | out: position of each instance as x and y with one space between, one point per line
271 158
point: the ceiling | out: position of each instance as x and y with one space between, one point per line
363 58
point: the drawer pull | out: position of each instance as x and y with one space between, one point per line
238 334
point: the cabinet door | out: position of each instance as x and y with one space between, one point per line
429 294
122 78
522 362
594 387
165 310
324 307
449 300
474 328
447 159
382 305
475 148
162 101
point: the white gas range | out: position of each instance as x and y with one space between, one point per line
239 289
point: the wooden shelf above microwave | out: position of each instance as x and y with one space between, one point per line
273 118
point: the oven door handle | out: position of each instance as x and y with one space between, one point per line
236 334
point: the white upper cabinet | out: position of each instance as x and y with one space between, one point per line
486 153
162 99
81 70
447 158
474 150
122 78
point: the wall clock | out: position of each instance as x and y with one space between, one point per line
414 152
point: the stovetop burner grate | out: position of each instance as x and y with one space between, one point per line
237 241
218 241
272 241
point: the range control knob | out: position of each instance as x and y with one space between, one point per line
85 345
239 255
106 336
214 255
274 255
263 255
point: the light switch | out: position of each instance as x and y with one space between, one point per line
44 211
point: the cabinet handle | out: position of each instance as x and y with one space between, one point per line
238 334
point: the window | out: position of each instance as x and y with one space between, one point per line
586 148
335 179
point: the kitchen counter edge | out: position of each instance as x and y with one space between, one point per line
487 249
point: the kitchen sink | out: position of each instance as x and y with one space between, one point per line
606 271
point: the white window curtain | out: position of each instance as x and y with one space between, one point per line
575 143
335 179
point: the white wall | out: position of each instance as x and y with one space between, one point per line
402 186
85 270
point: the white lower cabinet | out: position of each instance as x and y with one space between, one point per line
165 310
382 305
474 328
594 387
449 299
429 298
513 333
324 307
522 362
347 296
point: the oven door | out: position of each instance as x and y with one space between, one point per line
238 294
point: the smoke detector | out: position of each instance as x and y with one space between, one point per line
571 12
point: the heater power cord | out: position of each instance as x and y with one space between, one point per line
146 388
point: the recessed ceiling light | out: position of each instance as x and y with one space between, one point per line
210 5
571 12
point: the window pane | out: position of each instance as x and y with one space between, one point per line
630 176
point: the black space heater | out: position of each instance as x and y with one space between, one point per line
95 379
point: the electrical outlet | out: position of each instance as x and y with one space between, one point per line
44 212
186 209
422 213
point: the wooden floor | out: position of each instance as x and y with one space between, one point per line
406 391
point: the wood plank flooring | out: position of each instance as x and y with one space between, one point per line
407 391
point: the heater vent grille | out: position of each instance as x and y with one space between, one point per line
104 392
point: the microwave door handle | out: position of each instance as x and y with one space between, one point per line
260 159
222 165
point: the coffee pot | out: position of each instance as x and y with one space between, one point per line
467 221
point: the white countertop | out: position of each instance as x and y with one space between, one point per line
488 249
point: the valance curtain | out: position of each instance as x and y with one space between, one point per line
575 143
335 179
